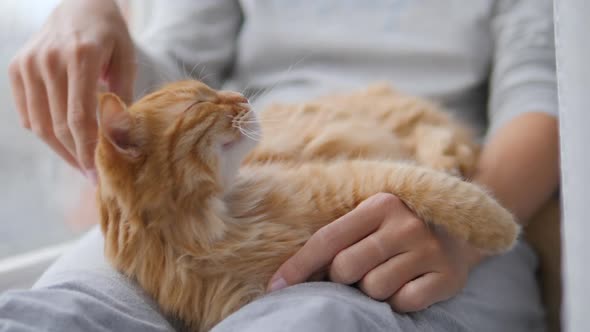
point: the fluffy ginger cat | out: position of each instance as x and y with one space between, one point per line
201 215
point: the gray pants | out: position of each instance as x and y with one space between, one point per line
81 292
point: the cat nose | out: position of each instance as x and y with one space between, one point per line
227 97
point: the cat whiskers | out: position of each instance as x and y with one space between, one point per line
261 93
253 135
250 134
190 76
238 123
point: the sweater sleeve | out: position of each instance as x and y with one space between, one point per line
187 39
523 70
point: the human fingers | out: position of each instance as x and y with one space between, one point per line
54 72
38 108
423 292
386 279
326 243
83 74
121 71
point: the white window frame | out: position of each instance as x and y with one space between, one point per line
22 270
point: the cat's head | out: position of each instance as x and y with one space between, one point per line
181 139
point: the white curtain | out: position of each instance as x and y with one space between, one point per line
572 24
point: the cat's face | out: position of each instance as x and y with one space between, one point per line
185 135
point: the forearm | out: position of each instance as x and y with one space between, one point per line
520 163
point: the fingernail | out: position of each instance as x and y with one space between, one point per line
92 176
277 284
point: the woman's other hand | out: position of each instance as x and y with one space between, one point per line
384 248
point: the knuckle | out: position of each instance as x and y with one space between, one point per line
62 131
41 131
432 247
327 237
378 246
81 49
27 61
77 119
412 226
385 200
50 58
372 286
341 271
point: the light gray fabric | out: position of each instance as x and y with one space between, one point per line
443 50
573 53
82 293
501 295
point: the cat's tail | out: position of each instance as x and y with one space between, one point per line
464 209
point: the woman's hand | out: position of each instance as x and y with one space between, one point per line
392 255
55 76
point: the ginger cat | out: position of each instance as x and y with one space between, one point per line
201 217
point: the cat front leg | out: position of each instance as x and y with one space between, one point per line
464 209
441 149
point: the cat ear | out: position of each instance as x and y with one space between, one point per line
116 125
